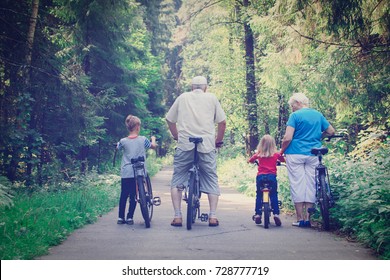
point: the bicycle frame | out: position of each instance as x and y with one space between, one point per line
192 192
144 193
324 197
266 206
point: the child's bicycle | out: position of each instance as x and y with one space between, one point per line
266 188
324 197
266 206
192 192
144 190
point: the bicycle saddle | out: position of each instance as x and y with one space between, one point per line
322 150
138 159
265 183
196 139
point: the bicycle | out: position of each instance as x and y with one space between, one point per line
192 192
266 206
324 196
144 190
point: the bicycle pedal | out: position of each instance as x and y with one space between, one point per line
204 217
156 201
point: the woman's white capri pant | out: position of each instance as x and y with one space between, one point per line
301 174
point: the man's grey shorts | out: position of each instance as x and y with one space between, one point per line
208 178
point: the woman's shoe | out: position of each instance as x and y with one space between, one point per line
120 221
300 223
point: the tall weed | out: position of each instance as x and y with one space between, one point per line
6 193
363 206
43 219
361 187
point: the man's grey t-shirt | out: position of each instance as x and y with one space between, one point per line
132 148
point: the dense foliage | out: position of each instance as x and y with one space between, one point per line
43 219
64 99
360 187
363 206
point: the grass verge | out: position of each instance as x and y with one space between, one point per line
38 221
35 222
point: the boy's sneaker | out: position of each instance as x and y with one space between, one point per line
257 219
129 221
307 224
277 220
299 223
120 221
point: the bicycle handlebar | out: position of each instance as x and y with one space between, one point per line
328 138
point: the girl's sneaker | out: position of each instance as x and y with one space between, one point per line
257 219
277 220
120 221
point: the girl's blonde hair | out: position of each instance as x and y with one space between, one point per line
267 146
132 122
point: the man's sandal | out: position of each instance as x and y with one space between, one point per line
177 222
213 222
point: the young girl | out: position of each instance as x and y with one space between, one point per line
267 157
132 146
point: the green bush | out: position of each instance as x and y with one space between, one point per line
361 187
40 217
6 193
44 219
363 205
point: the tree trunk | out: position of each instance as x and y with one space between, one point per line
251 94
31 31
282 118
27 77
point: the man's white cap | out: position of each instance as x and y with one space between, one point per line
199 80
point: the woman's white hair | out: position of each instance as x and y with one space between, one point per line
299 97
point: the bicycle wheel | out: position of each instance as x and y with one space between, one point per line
191 201
149 196
267 213
143 200
324 201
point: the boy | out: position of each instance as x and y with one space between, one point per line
132 146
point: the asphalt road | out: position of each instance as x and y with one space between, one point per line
237 237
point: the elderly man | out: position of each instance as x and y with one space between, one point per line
194 114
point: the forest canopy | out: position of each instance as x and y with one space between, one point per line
71 71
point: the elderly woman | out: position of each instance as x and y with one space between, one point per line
305 129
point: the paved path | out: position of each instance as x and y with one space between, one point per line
237 237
